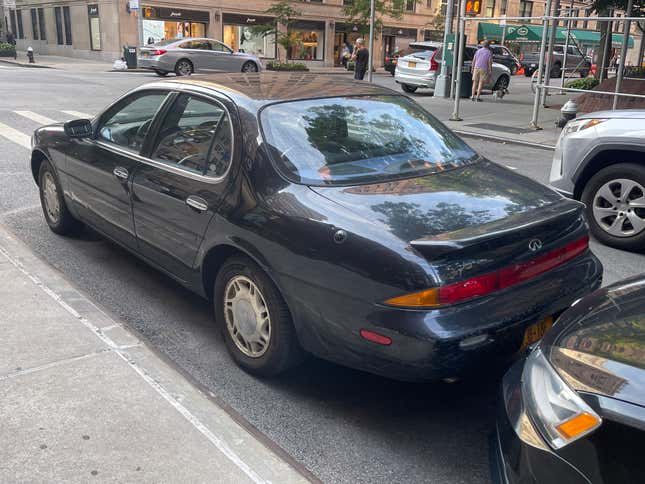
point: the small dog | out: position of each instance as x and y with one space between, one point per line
499 94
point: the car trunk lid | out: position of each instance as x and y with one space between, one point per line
417 63
468 221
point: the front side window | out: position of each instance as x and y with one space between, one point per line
128 123
354 140
195 136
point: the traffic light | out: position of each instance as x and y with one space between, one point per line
473 7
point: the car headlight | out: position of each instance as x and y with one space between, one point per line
579 125
557 411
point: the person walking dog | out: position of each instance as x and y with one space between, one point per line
482 68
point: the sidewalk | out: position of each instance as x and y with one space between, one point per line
82 398
58 62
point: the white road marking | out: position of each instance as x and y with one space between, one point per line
511 167
15 136
165 394
78 114
36 117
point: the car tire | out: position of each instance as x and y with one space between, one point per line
184 67
56 213
250 66
584 74
408 88
604 226
242 295
513 69
528 72
161 73
502 82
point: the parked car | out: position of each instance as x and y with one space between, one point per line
574 410
391 60
185 56
339 218
576 61
503 56
598 159
420 70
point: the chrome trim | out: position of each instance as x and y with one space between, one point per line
121 173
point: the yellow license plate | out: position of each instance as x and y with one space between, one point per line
535 332
412 64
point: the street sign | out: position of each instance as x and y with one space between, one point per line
473 7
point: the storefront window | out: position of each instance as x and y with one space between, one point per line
95 26
165 24
308 41
242 38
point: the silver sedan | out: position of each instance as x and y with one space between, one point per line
187 55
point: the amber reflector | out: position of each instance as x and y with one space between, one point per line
429 297
573 427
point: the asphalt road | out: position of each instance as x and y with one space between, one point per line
343 425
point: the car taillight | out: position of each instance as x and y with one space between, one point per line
494 281
434 65
158 52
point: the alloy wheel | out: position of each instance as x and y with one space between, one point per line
184 68
619 207
249 67
50 197
247 316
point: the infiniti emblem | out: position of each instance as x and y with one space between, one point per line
535 245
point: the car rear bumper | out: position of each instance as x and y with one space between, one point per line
414 80
517 452
154 63
447 342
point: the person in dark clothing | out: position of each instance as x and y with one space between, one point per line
361 58
11 39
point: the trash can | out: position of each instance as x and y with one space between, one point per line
130 56
466 83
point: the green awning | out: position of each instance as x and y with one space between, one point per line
533 33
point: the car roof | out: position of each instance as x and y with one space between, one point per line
268 87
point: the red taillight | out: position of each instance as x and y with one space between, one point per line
158 52
434 65
375 337
511 275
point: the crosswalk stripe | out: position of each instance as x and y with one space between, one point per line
15 136
78 114
36 117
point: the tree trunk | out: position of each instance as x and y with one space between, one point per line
600 56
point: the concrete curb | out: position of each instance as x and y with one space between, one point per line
23 64
498 139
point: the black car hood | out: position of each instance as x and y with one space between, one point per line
445 202
598 346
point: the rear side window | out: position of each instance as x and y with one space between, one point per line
195 136
128 123
363 139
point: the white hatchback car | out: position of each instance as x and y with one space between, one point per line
420 69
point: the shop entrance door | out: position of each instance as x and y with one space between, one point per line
389 42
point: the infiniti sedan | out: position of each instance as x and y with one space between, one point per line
574 410
185 56
339 219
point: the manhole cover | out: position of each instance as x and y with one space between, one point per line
499 127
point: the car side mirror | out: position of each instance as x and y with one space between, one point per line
78 128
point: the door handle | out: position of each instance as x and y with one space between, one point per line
121 173
197 203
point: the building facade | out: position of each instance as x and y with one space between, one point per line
98 29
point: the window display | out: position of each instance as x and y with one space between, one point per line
243 38
308 41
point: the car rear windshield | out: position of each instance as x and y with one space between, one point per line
357 140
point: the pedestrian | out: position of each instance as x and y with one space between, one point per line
11 40
482 68
345 54
361 58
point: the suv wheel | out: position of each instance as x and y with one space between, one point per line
556 71
254 319
408 88
615 200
